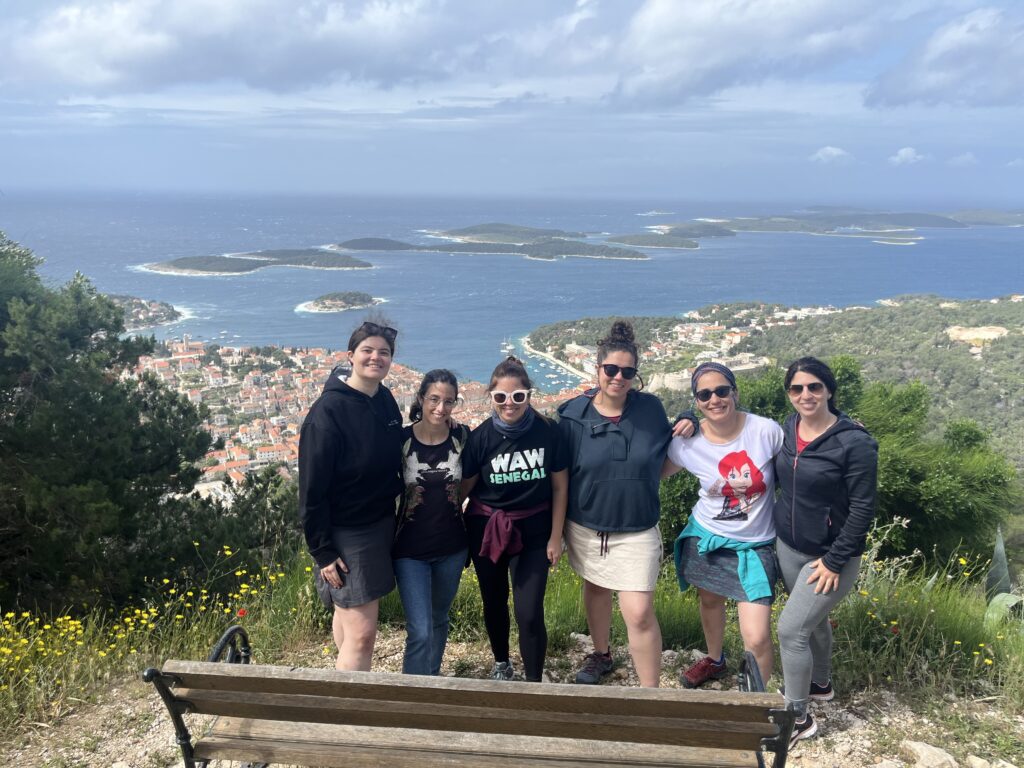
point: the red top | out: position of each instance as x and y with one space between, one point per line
800 442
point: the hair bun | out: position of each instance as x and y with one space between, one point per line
621 331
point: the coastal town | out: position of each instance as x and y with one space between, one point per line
255 398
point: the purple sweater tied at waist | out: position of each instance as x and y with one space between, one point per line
501 537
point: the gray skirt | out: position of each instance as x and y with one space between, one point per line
717 571
366 550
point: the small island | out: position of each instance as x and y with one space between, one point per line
339 302
496 232
141 313
654 240
244 263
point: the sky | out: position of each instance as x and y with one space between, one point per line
899 102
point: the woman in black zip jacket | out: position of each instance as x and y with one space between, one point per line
826 473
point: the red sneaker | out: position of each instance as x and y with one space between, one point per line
704 670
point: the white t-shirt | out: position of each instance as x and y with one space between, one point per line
737 479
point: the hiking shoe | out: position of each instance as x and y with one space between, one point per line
817 692
596 666
803 729
821 692
502 670
704 670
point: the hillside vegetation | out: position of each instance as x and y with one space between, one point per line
909 342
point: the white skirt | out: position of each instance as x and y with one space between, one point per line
624 562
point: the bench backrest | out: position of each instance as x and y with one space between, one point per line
724 720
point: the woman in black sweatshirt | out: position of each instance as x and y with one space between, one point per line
827 477
350 458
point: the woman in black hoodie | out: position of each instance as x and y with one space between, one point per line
826 472
350 459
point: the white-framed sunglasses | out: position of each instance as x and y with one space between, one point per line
518 397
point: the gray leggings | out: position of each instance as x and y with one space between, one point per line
805 635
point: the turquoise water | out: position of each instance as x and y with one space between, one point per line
455 310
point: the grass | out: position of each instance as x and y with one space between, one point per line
906 628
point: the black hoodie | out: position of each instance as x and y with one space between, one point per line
350 462
827 492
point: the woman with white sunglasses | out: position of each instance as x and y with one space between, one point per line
514 470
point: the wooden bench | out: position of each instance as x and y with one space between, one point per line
317 717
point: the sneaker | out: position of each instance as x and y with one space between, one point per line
817 692
704 670
595 667
502 670
803 729
821 692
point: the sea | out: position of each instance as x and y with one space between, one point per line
459 310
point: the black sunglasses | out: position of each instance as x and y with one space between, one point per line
388 333
705 394
611 371
815 387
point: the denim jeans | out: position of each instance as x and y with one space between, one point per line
427 589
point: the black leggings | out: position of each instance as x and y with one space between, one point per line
529 571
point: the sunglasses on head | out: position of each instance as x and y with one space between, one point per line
373 329
815 388
705 394
611 371
518 397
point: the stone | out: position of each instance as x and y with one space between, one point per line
886 763
1003 764
926 756
976 762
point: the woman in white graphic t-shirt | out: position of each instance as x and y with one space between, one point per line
725 550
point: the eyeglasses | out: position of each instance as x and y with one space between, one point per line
433 401
386 332
518 397
611 371
815 388
705 394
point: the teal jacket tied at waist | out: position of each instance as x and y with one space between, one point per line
750 570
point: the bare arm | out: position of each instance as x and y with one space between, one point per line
559 502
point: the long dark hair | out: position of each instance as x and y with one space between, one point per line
436 376
819 370
510 367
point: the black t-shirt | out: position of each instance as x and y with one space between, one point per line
430 521
514 474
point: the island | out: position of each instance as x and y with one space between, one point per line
544 248
339 302
142 313
654 240
497 232
243 263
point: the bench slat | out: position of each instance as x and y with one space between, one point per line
397 714
720 706
340 746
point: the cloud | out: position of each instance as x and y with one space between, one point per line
974 60
135 46
966 160
1017 162
906 156
831 156
674 51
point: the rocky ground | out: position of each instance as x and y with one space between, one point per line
128 727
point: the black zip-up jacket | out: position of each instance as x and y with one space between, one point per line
350 463
827 492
